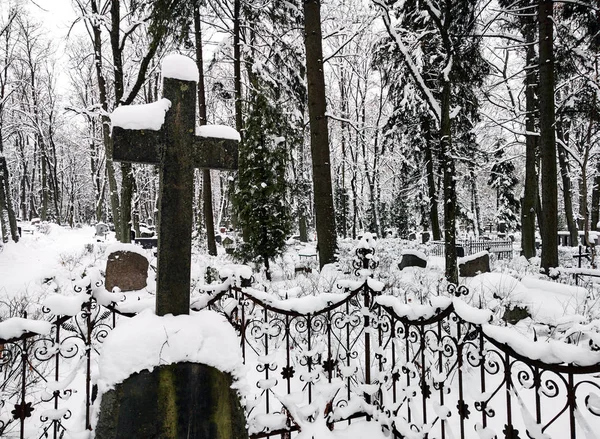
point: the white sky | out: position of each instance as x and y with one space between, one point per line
56 16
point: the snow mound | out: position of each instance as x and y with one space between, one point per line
147 340
218 131
141 117
181 67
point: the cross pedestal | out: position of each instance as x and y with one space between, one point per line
177 150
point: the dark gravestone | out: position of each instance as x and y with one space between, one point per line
229 245
180 400
474 266
460 251
425 237
126 270
513 314
183 400
177 150
147 243
412 260
147 233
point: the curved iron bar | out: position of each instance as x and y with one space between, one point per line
329 307
408 351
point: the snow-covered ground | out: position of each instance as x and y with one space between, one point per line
53 262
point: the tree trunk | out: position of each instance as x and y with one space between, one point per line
549 257
477 227
530 193
207 201
595 211
434 216
567 186
44 178
237 87
103 95
344 146
319 136
449 186
8 219
4 223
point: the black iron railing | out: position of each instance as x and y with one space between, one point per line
436 369
503 249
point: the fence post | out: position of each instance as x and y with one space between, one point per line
241 300
572 405
56 374
88 369
367 324
23 408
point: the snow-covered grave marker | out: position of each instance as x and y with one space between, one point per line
164 133
163 386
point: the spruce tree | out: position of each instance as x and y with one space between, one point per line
260 199
502 179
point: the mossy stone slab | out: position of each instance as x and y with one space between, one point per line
184 400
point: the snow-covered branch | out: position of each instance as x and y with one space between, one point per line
432 102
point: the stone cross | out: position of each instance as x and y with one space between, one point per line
177 150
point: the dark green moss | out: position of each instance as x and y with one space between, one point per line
176 401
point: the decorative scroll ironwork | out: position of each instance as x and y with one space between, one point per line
36 371
353 357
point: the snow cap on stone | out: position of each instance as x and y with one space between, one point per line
141 117
218 131
178 66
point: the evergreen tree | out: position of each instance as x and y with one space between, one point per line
260 200
446 72
342 210
502 179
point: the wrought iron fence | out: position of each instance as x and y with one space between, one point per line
502 248
435 370
37 372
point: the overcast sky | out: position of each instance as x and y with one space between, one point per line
56 16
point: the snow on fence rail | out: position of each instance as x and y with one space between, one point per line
433 370
502 248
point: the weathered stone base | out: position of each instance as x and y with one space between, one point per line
183 400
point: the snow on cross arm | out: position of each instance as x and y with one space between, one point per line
218 131
141 117
179 67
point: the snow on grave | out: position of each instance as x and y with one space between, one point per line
190 369
412 258
102 229
545 301
474 264
17 326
